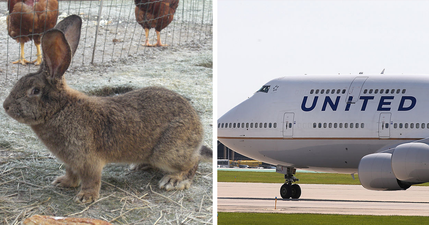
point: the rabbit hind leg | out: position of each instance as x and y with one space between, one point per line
70 179
178 181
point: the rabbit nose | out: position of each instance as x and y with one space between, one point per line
6 106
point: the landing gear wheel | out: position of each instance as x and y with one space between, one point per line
295 191
286 191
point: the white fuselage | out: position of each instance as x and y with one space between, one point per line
327 123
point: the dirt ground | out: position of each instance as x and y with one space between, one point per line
27 168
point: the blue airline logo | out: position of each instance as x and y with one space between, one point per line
384 104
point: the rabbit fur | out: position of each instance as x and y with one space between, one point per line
153 127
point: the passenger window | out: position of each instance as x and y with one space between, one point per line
275 125
362 125
341 125
265 125
403 91
327 91
322 91
346 125
290 125
387 91
397 91
320 125
333 91
312 91
370 91
395 125
411 125
314 125
242 125
400 125
351 125
417 125
335 125
260 125
338 91
381 91
256 125
247 125
376 91
251 125
234 125
270 125
423 126
365 91
330 125
344 91
357 125
386 125
406 125
317 91
392 91
218 126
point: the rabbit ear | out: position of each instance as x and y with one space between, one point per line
56 53
71 26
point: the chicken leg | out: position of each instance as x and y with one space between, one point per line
158 40
38 61
146 33
24 62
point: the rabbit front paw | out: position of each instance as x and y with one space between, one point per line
174 182
86 196
66 181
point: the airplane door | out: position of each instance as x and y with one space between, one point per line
288 122
384 125
354 89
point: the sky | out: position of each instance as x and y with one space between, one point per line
260 40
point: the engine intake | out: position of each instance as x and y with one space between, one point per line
410 162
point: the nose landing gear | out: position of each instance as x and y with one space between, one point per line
289 190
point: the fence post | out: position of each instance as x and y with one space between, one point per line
96 31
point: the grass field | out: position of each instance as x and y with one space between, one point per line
273 177
304 178
315 219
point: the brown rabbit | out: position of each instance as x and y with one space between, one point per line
152 126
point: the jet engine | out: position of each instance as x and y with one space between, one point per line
408 164
375 173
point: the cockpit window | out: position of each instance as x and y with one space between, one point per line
265 89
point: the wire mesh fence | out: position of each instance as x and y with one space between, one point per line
110 32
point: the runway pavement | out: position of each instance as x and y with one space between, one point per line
324 199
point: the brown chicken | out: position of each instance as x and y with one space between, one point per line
28 20
156 14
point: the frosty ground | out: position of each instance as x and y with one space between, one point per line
127 197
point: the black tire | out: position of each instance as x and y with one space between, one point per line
295 191
286 191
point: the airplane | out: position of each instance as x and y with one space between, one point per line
373 125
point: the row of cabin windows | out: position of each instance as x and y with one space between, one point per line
247 125
383 91
328 91
338 125
362 125
411 125
366 91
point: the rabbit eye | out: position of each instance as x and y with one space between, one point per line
35 91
